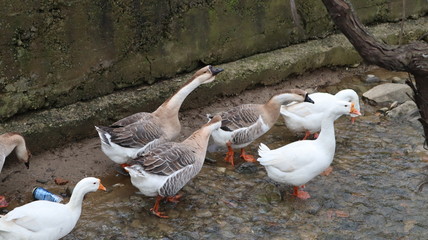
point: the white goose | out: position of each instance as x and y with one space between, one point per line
9 142
164 170
45 220
298 162
243 124
122 140
304 117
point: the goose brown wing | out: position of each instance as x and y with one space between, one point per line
135 135
141 116
240 117
166 159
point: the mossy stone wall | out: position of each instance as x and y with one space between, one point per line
57 52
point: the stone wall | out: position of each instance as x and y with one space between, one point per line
57 52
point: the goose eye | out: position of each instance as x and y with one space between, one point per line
95 183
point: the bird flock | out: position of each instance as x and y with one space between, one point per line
143 146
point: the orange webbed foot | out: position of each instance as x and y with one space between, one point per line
158 214
247 157
301 194
316 135
229 154
307 134
174 199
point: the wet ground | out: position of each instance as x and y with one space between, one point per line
371 193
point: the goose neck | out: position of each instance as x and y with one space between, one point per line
173 104
76 199
327 129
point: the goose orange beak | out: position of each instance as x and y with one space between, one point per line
101 187
354 110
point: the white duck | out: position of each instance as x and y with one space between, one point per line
164 170
304 117
245 123
9 142
45 220
122 140
298 162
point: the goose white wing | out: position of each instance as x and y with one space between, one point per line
38 216
289 157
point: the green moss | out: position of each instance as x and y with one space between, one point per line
68 51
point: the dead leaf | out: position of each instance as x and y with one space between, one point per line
60 181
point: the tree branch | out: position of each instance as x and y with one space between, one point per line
411 58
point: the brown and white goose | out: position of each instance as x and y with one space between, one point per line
142 131
245 123
164 170
9 142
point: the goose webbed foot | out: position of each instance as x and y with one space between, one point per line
247 157
301 194
155 208
229 154
174 199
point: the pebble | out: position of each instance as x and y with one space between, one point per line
210 160
370 78
246 168
393 105
42 181
204 213
398 80
383 110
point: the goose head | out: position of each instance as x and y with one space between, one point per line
21 150
206 74
89 184
344 107
26 158
23 155
214 123
349 95
291 95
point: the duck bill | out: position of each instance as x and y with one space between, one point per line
214 71
101 187
308 99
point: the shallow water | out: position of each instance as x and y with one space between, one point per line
371 193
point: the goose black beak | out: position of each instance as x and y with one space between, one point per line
308 99
214 71
27 164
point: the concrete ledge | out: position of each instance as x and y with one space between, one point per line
54 127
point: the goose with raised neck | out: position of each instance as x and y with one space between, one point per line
124 139
243 124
